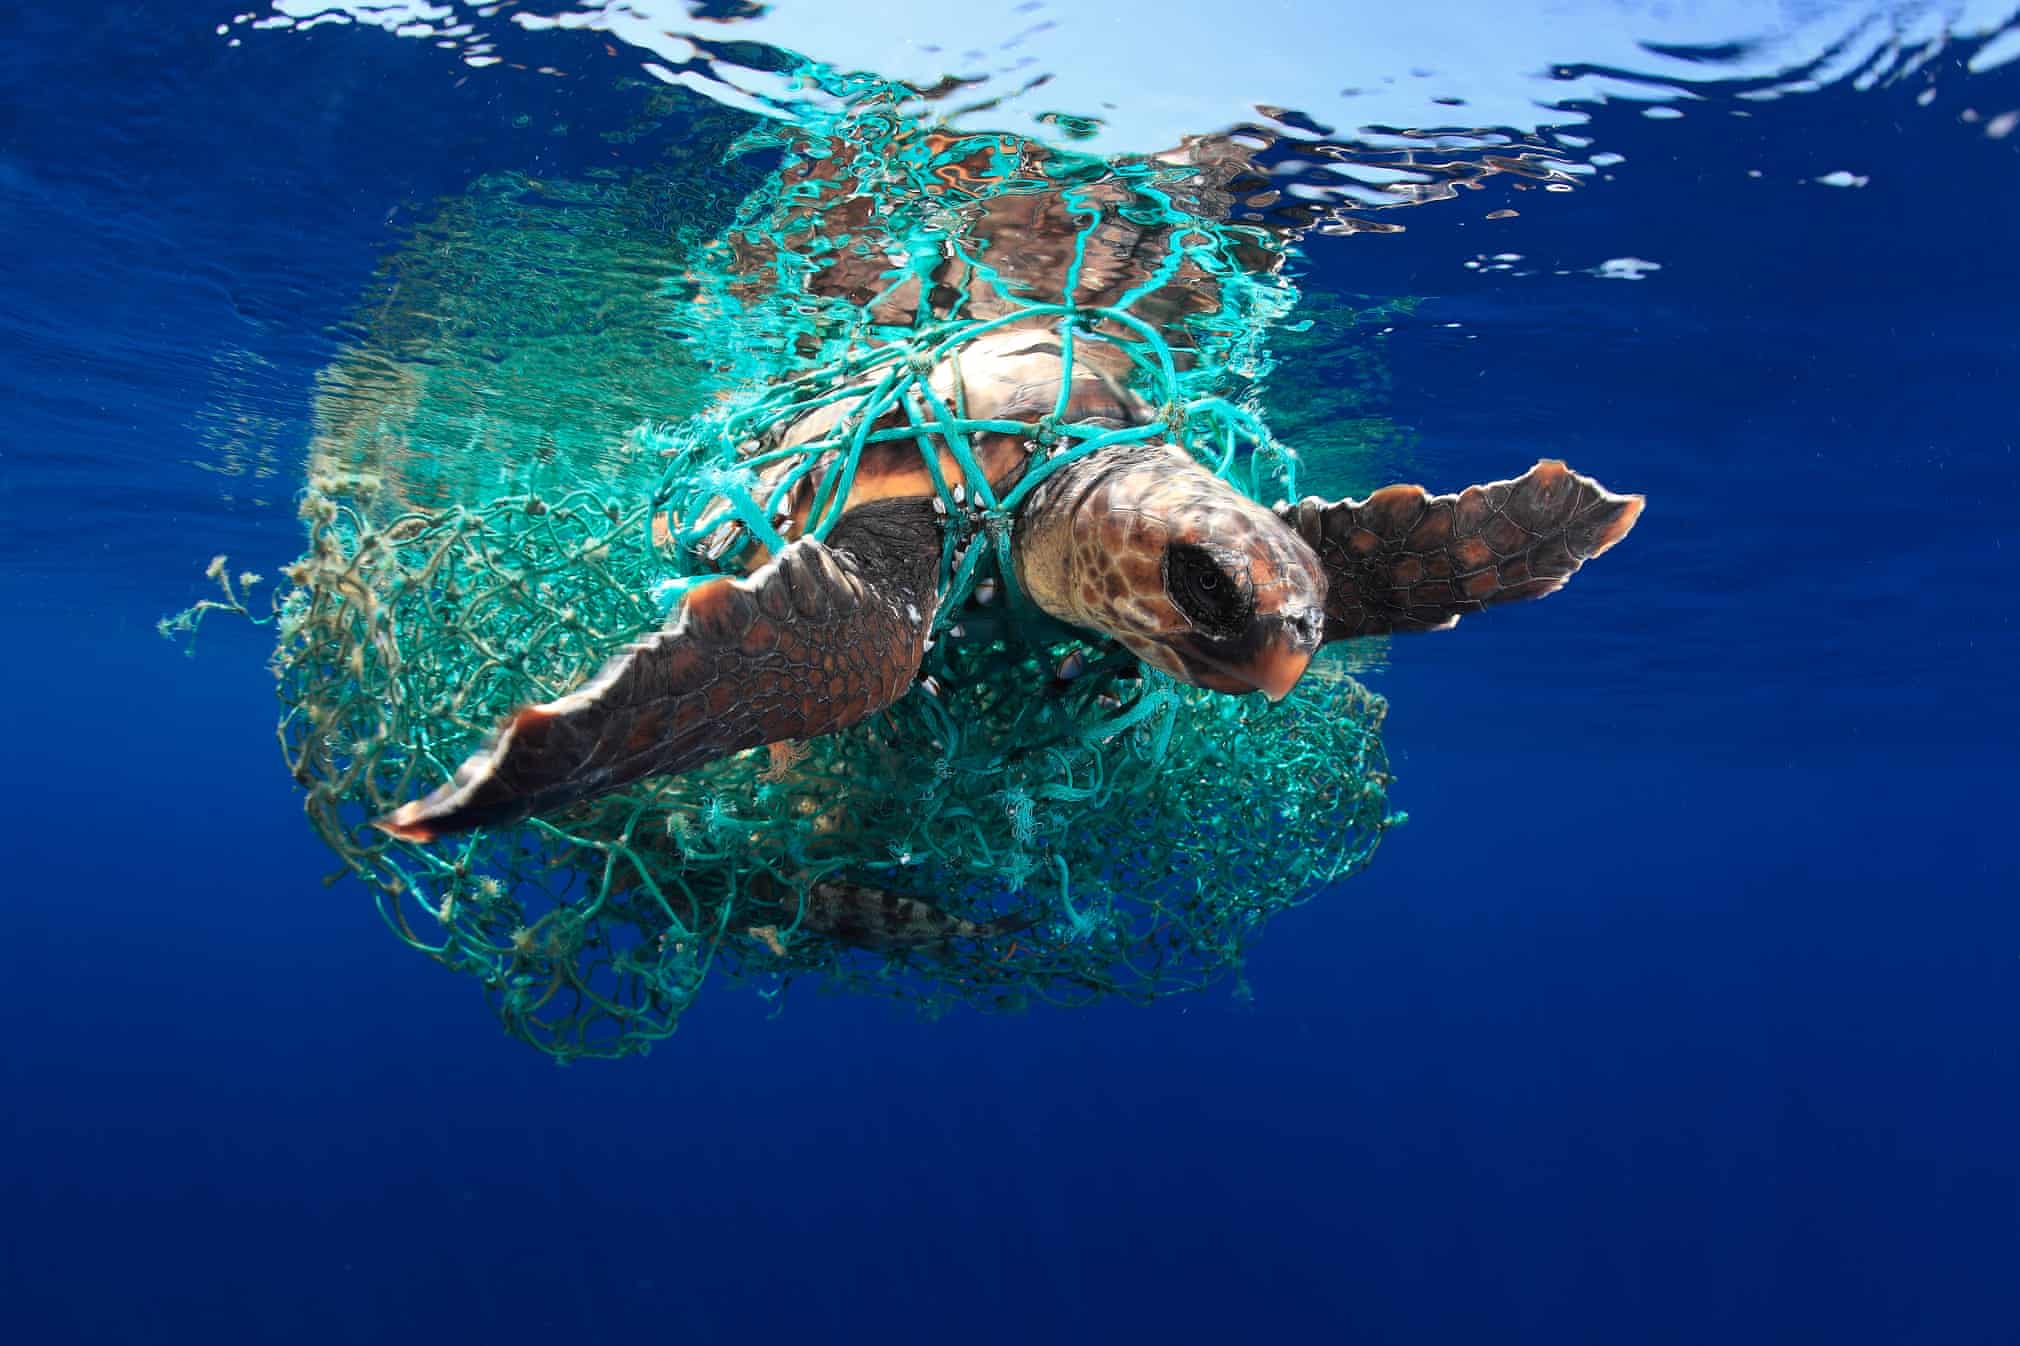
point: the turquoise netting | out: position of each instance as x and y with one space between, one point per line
1111 833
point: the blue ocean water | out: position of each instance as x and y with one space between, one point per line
1683 1009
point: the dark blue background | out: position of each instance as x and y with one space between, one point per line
1683 1010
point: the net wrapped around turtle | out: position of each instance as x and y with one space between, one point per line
1047 839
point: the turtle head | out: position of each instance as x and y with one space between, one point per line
1148 547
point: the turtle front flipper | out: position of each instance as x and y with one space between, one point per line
813 641
1407 560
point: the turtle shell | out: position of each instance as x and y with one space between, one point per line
1008 374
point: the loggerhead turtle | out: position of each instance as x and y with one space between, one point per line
1136 542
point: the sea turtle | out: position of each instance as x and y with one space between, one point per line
1136 542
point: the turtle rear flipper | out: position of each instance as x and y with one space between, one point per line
1407 560
813 641
867 917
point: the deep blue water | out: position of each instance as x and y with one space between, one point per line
1684 1009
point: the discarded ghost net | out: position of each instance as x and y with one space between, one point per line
1037 822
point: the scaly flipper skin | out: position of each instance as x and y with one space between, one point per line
811 642
1407 560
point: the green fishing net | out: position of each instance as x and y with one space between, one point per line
1053 838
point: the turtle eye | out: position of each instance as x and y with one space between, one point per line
1211 599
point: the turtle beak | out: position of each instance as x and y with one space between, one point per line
1283 652
1276 671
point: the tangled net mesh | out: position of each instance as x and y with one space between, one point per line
1115 834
